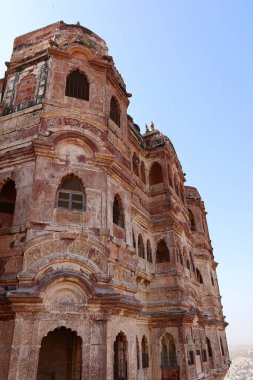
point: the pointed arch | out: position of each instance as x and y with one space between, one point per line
77 85
115 111
59 348
141 249
144 352
149 252
155 174
199 276
71 194
118 212
162 252
209 348
120 357
168 351
7 203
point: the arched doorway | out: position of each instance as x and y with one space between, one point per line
60 356
169 367
120 357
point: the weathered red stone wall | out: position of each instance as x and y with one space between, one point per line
78 269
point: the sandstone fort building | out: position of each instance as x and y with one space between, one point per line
106 266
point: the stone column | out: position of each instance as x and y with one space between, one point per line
6 335
24 355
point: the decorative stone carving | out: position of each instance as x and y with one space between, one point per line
49 248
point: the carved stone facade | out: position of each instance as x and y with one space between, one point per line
106 265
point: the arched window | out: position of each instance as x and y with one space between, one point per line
58 349
209 348
144 350
7 203
199 276
155 174
149 252
115 111
120 357
143 172
137 353
222 348
168 352
212 281
141 250
118 214
77 86
71 194
136 164
192 220
162 252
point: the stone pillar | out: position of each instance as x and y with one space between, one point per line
6 335
156 354
98 350
24 355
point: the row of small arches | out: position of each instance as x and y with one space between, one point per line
71 195
168 356
66 344
156 175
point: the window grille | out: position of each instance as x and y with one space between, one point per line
77 86
71 194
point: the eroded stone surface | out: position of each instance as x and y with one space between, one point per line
86 275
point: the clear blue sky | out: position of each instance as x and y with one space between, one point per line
189 65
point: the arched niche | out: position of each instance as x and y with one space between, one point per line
79 53
60 356
73 150
162 252
65 295
7 203
120 366
155 174
168 352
